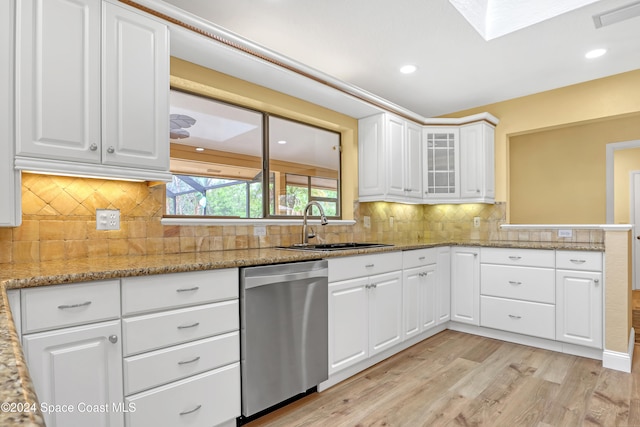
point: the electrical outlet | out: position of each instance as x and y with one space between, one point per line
367 221
565 233
476 221
107 219
259 230
390 222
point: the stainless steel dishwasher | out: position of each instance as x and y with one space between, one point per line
284 332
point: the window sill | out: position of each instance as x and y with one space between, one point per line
244 221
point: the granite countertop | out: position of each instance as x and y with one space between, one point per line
16 388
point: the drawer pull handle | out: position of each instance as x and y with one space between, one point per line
186 362
191 411
195 288
515 258
513 316
512 282
193 325
422 258
369 265
67 306
578 261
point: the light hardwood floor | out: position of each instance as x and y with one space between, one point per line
456 379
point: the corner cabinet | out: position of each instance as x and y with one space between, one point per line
459 164
390 159
11 208
400 161
93 93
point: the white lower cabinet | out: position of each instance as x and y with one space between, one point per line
365 313
579 307
465 285
426 289
75 357
206 399
77 374
182 361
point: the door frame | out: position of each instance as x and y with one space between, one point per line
610 185
632 215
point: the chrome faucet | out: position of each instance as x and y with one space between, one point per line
323 221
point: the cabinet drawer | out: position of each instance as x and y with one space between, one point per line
521 257
363 265
579 260
523 283
50 307
159 367
153 293
158 330
203 400
419 257
522 317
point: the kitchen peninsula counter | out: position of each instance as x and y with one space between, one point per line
16 389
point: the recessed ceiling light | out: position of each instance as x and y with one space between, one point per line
595 53
408 69
282 141
199 149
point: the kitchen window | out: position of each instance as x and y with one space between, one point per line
232 162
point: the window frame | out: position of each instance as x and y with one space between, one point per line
266 171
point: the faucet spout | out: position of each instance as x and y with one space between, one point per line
305 212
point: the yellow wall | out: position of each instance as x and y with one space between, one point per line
604 98
191 77
625 161
558 176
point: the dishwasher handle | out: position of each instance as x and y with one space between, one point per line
255 281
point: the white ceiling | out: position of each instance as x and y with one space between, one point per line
364 42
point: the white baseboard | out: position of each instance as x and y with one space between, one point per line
620 361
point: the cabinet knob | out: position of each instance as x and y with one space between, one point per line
93 147
596 281
113 338
111 150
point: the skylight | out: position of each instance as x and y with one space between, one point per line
495 18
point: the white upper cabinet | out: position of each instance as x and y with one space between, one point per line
135 89
390 159
93 92
477 175
400 161
10 209
441 169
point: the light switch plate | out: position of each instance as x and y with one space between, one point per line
367 221
259 230
107 219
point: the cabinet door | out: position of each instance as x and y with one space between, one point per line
477 161
411 301
413 161
10 209
59 86
579 307
441 171
385 311
465 285
396 156
443 289
348 323
428 296
80 367
136 90
371 156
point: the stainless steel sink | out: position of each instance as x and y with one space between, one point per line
333 246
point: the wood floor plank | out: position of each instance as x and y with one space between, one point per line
456 379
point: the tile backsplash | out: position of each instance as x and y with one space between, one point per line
59 223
